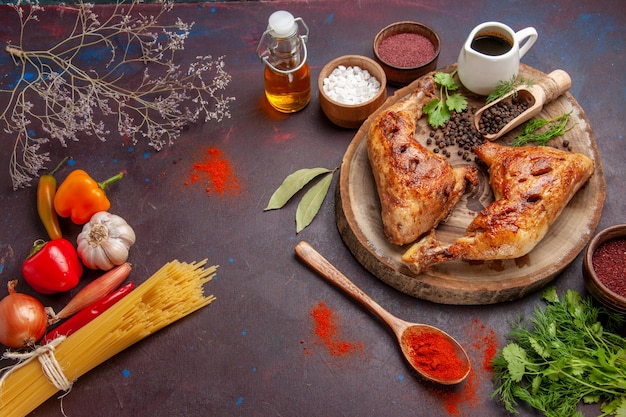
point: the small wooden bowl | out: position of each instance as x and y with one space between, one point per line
401 76
594 285
351 115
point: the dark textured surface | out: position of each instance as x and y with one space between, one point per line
253 352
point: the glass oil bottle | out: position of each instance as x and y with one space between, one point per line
283 50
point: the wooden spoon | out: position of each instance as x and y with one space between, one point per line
402 329
536 95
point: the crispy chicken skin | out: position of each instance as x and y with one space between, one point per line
417 188
531 185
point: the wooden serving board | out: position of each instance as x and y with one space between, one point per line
462 282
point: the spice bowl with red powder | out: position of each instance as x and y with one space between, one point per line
351 88
406 51
604 267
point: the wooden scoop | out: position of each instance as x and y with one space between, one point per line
536 95
404 331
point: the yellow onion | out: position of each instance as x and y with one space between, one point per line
23 319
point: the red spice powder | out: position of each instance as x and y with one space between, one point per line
216 169
327 331
453 398
406 50
434 355
609 263
486 343
483 347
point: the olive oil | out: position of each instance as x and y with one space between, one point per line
290 92
283 51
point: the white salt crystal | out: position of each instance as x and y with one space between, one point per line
350 85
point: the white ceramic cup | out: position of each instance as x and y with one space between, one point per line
480 72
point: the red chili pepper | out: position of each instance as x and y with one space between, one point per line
87 314
52 266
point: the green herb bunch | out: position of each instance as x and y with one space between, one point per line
504 87
553 128
563 356
438 109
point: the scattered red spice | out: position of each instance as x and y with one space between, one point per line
490 349
434 355
609 264
454 397
216 169
306 350
485 342
406 50
327 331
482 349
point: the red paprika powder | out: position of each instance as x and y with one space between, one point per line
483 347
490 346
435 355
327 331
454 401
217 171
485 343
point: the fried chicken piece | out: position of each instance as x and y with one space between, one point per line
531 185
417 188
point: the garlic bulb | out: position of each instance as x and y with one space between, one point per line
104 241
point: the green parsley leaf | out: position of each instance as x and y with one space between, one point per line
550 295
456 102
616 407
437 112
438 109
516 359
446 80
432 106
539 348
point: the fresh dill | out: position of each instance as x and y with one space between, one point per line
555 127
562 356
504 87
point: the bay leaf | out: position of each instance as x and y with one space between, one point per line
311 202
292 184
